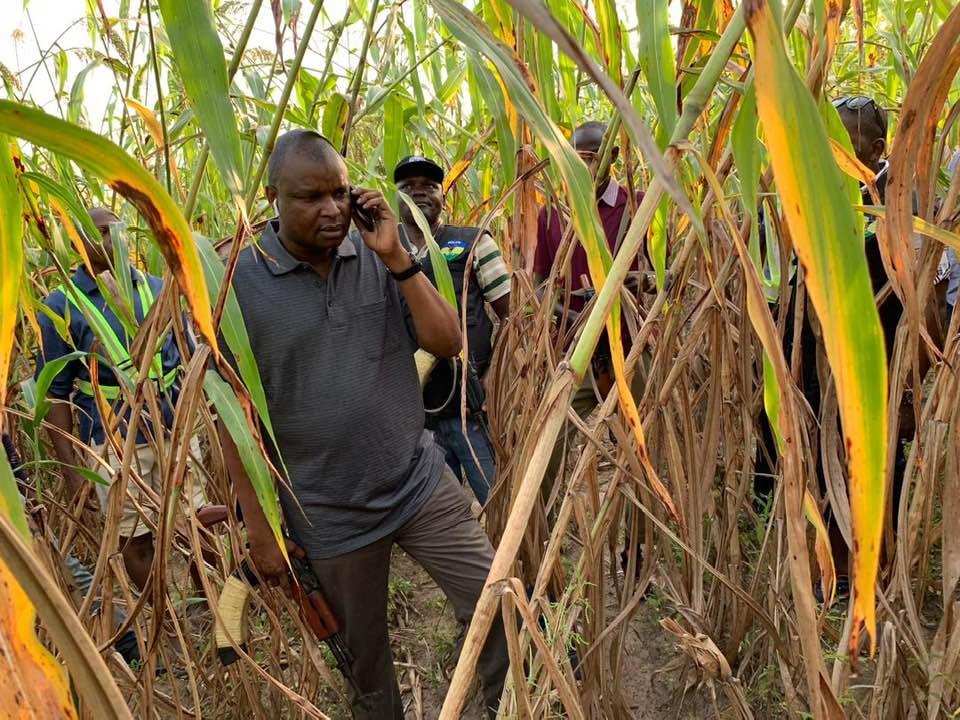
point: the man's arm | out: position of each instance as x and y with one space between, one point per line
434 320
264 550
492 275
436 323
61 417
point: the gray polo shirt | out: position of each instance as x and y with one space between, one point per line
336 360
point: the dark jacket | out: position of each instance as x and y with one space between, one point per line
455 244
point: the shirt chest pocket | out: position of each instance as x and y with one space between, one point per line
371 327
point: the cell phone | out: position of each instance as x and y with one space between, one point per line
361 217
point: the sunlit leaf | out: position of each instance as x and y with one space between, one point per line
11 261
656 59
438 262
824 232
334 121
199 55
126 176
32 683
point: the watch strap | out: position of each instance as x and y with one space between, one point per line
414 268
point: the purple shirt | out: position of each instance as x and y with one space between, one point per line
611 205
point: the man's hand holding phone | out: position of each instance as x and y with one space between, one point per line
378 228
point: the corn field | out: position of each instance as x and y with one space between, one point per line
745 209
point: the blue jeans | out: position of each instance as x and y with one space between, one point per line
449 435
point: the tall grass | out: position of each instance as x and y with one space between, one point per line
718 110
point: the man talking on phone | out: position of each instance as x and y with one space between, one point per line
334 318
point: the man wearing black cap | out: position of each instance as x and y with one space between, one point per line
474 260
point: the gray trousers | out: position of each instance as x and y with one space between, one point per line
448 542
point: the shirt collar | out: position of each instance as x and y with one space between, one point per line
84 281
880 180
278 258
611 193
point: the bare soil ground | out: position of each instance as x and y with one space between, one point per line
425 632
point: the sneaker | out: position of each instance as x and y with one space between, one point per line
842 591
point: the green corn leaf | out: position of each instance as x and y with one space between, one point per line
746 153
234 330
68 198
493 99
11 260
126 176
830 247
438 262
393 132
49 372
610 37
75 104
576 178
231 414
656 60
334 121
200 59
771 399
657 240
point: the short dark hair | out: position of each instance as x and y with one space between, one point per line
296 141
591 125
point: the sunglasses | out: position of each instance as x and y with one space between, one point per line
856 103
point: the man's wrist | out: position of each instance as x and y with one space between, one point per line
397 260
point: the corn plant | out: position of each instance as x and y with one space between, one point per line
745 214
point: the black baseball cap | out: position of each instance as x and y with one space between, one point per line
417 166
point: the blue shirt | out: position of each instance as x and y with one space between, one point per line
83 338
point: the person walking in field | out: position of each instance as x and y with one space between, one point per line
475 262
613 209
334 318
91 325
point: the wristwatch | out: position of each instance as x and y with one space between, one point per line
414 268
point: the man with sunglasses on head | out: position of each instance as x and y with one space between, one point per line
866 124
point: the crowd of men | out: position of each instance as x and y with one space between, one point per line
337 294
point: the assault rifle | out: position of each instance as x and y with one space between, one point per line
235 601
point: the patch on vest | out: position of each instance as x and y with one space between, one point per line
453 249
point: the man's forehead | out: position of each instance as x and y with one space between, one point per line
326 170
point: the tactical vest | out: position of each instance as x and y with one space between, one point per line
455 244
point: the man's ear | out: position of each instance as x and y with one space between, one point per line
879 148
271 193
